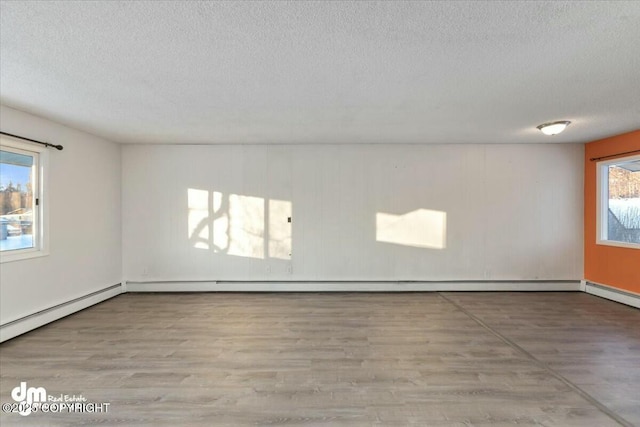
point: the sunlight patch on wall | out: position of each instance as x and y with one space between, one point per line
279 229
246 226
422 228
220 224
198 202
237 225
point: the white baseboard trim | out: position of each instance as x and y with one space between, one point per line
374 286
604 291
30 322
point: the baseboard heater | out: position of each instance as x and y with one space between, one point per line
350 286
618 295
32 321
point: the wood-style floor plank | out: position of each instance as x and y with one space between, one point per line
593 343
351 359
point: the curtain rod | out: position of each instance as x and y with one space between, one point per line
593 159
46 144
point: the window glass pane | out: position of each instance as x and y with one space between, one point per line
16 201
623 216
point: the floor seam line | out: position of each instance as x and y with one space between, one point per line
592 400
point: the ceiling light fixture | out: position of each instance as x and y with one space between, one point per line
553 128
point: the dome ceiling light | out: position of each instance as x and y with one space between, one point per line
553 128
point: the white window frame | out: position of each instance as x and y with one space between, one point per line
40 212
602 205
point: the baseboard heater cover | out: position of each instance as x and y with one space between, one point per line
35 320
351 286
614 294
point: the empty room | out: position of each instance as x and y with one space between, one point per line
320 213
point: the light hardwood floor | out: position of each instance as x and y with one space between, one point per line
350 359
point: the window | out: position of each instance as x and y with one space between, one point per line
619 202
21 216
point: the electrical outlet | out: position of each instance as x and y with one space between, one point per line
289 269
268 269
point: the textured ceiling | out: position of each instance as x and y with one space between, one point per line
325 72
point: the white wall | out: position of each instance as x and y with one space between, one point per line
513 212
85 216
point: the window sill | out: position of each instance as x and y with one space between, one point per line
618 244
9 257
